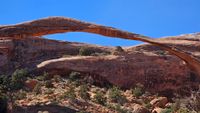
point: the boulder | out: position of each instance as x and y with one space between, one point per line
158 110
140 109
159 102
31 83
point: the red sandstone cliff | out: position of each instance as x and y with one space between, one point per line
175 69
145 64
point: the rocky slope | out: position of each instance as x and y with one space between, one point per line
146 64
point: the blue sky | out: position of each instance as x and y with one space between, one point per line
154 18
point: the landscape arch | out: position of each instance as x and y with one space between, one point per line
53 25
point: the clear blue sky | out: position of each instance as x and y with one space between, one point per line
154 18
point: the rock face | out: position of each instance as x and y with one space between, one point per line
157 70
27 53
146 64
54 25
6 49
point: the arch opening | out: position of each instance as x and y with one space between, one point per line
54 25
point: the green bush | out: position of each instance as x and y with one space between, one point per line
183 110
138 90
57 78
18 78
116 96
148 105
75 83
83 92
48 84
20 95
37 89
43 77
99 98
167 110
70 94
118 108
85 51
73 76
176 105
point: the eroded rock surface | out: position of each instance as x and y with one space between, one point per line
28 52
54 25
146 64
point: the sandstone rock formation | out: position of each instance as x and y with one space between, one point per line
20 47
145 64
140 109
59 25
30 51
159 102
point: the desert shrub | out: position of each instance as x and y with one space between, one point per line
73 76
37 89
148 105
116 96
44 76
18 78
118 108
167 110
119 49
183 110
99 98
5 83
20 95
48 84
85 51
70 94
176 105
138 90
83 92
56 78
76 83
3 103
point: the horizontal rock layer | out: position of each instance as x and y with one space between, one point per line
156 69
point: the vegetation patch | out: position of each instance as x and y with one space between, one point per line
100 98
115 95
85 51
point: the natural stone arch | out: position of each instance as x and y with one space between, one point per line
54 25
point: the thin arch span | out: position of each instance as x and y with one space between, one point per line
53 25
